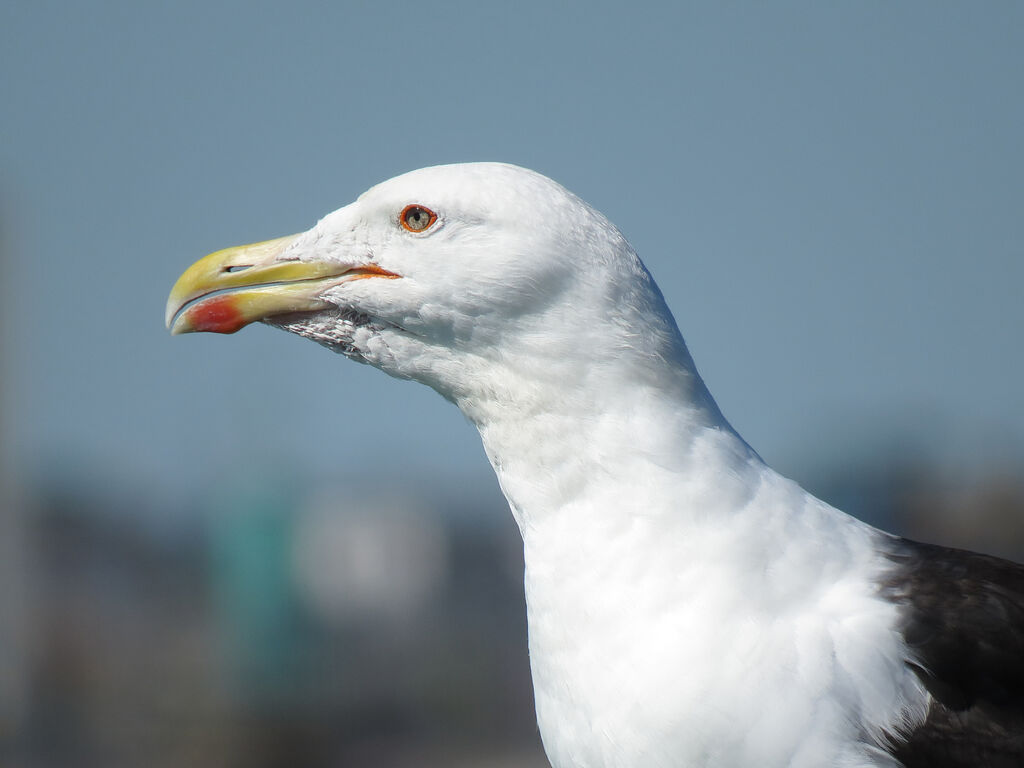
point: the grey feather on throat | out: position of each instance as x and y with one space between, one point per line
334 329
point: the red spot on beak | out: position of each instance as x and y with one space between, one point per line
219 314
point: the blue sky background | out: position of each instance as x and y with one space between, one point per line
830 195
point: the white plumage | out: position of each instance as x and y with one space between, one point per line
687 605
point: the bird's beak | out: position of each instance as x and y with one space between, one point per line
229 289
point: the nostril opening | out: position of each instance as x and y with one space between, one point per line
236 268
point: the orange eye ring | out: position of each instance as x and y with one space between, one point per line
417 218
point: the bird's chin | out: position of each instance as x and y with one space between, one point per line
345 331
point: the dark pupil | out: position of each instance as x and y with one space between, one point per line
417 218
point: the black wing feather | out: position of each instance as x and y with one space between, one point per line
963 618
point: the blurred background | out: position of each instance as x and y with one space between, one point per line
245 551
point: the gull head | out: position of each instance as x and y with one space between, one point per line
458 276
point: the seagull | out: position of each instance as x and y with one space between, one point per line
687 605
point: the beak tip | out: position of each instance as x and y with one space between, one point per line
170 313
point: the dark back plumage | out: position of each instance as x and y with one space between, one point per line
963 618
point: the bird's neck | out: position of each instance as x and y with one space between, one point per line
566 439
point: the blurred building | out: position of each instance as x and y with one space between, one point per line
281 628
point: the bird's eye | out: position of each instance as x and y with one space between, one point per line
416 218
